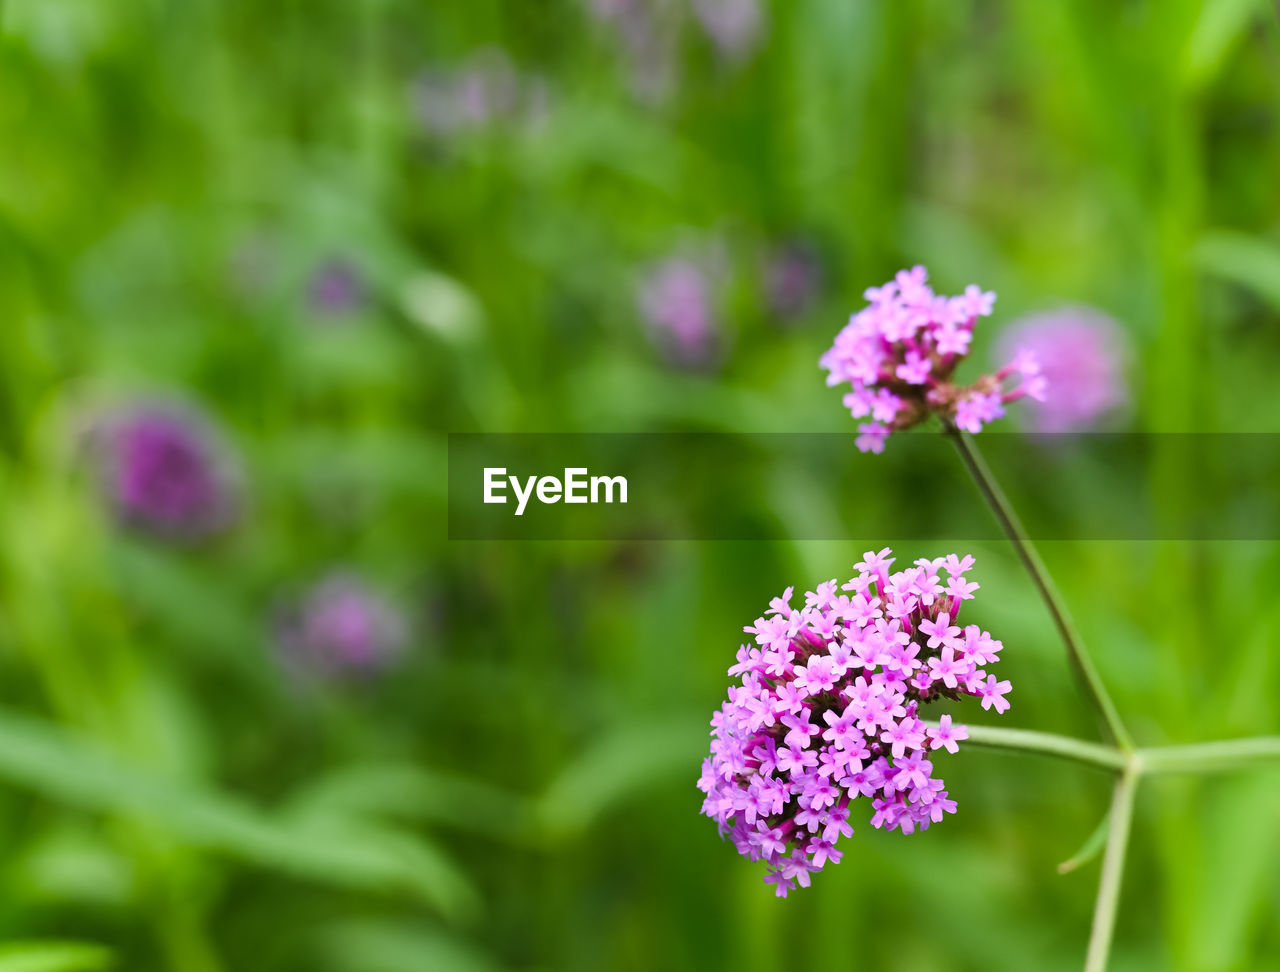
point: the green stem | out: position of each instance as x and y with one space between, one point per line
1104 912
1048 744
1030 558
1211 757
1220 756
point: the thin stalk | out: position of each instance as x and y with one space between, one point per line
1030 558
1222 756
1048 744
1212 757
1104 911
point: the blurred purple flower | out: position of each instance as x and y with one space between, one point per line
792 279
733 26
484 89
646 29
165 471
649 32
340 624
608 10
676 302
1083 353
336 288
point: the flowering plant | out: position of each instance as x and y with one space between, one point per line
827 711
828 704
900 353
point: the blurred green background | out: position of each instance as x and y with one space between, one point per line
341 230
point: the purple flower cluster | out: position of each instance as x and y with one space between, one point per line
899 354
485 91
337 288
166 472
647 36
827 711
650 33
340 624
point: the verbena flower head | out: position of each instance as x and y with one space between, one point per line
827 710
339 625
1083 353
900 352
165 471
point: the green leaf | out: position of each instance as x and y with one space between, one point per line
1243 847
621 766
75 864
1249 261
335 851
1091 848
53 957
439 304
386 946
414 793
1220 26
195 606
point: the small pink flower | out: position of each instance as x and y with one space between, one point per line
945 736
940 632
915 369
993 694
945 668
871 437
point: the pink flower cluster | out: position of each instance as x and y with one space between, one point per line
827 711
899 354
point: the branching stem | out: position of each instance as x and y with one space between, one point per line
1128 763
1222 756
1030 558
1047 744
1104 909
